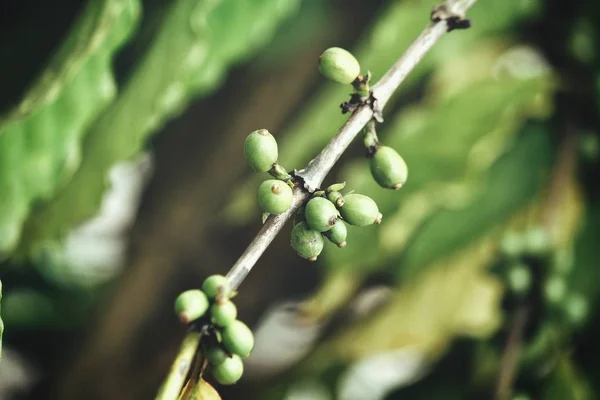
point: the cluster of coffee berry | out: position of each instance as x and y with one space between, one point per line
226 340
324 215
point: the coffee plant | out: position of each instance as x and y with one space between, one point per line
126 204
321 213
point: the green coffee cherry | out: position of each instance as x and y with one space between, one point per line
229 371
216 285
339 65
223 313
191 305
576 308
320 214
238 339
512 244
274 196
519 278
360 210
260 150
307 243
337 234
555 289
537 241
388 168
215 355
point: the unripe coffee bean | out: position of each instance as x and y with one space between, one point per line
216 285
339 65
307 243
388 168
215 355
337 234
238 339
223 313
191 305
260 150
229 371
320 214
360 210
274 196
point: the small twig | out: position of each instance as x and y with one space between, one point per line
263 239
316 171
510 357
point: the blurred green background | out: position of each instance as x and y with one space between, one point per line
123 182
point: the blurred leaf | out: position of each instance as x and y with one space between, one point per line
567 218
1 322
40 138
311 23
334 291
587 254
566 383
499 197
446 387
453 296
449 147
301 389
28 308
396 26
374 376
280 325
582 44
204 391
196 43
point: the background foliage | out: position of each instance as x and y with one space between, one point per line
122 182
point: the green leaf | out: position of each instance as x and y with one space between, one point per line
204 391
194 46
29 308
40 138
512 182
453 296
566 382
26 308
